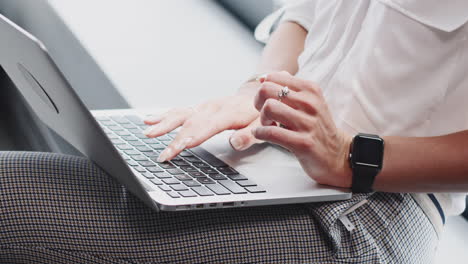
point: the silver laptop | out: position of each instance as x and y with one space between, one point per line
207 177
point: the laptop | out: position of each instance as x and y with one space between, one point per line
210 176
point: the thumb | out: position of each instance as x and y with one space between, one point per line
243 138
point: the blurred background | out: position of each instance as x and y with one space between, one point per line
147 54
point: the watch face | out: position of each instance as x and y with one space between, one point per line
368 151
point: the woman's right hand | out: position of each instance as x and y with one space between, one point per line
206 120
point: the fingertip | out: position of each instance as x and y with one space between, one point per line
262 78
151 120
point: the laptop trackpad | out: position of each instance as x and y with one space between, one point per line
271 166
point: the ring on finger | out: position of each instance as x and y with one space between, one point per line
283 93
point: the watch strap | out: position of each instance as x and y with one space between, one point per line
363 179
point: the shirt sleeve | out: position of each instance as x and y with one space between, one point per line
301 12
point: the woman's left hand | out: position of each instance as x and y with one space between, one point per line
307 128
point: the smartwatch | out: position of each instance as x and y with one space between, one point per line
366 160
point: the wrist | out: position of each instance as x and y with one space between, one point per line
346 172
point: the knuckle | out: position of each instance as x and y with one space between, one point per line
263 90
269 106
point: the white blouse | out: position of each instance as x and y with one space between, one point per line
388 67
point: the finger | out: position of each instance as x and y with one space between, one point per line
274 111
286 138
194 132
270 90
154 119
285 79
171 121
242 139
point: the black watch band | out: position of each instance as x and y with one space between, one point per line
363 179
366 160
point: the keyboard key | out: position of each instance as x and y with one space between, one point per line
144 149
202 191
148 175
128 126
218 189
191 183
162 175
135 119
192 159
107 123
101 118
134 130
139 157
185 153
206 181
132 152
247 183
179 187
170 181
124 147
227 170
147 163
156 181
123 133
132 163
187 193
208 157
165 188
112 136
196 174
157 146
175 171
217 176
173 194
180 162
130 138
115 128
188 168
237 177
140 136
150 140
255 189
232 186
154 169
201 165
183 177
139 169
117 141
208 170
166 165
164 138
136 143
151 154
120 119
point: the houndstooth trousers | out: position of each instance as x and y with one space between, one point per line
63 209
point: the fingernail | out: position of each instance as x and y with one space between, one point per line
183 143
148 130
152 119
262 77
236 143
164 155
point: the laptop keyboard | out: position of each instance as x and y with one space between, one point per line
192 173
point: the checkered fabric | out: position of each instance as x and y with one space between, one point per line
63 209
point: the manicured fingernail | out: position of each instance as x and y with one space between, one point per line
164 155
262 77
152 119
236 143
183 143
148 130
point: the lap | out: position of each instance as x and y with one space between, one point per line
65 209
